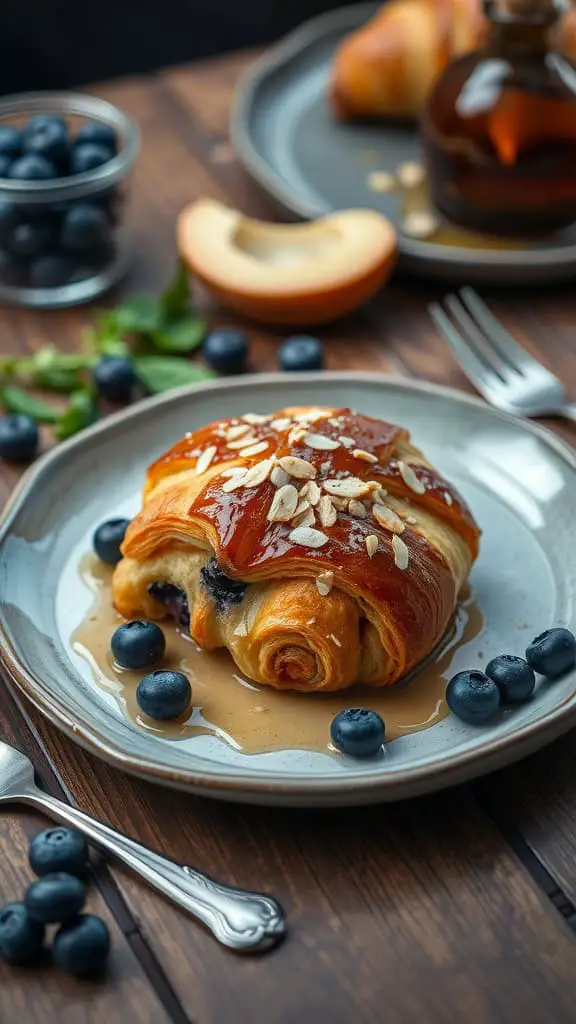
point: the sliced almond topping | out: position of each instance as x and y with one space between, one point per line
305 518
447 498
341 504
313 492
281 424
320 443
348 487
359 453
308 537
235 432
411 521
302 505
401 553
357 509
255 417
283 504
371 544
348 442
205 458
326 511
242 442
334 421
299 468
335 640
312 416
410 479
254 449
257 474
296 435
233 471
324 583
279 477
388 519
241 630
235 481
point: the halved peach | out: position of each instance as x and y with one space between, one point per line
287 273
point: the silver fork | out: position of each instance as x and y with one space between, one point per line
497 365
243 921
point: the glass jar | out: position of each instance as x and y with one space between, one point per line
64 240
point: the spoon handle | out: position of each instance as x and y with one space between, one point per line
243 921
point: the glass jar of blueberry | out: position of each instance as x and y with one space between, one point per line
64 165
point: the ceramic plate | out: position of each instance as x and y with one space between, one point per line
286 137
519 479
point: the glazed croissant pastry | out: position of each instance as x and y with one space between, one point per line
318 545
387 67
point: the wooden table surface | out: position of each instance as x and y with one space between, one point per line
456 907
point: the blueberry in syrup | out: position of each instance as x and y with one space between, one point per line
50 271
174 600
223 590
81 946
10 141
21 938
473 697
513 677
226 350
552 653
19 438
59 849
32 238
164 694
138 644
114 378
107 539
38 123
48 137
85 226
32 167
358 732
97 133
55 897
87 156
301 353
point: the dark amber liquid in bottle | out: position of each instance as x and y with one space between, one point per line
499 133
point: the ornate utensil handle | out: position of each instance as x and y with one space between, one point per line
244 921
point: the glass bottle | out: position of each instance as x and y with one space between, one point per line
499 127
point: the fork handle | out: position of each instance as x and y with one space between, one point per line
243 921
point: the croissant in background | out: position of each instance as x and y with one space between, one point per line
318 545
387 67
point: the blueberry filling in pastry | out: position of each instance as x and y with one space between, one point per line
222 589
174 601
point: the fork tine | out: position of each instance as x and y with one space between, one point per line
506 346
473 367
475 338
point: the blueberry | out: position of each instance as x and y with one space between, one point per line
85 226
9 218
108 538
10 141
59 849
301 353
48 137
13 269
138 644
358 732
513 677
115 378
55 897
174 600
95 131
226 350
164 695
18 438
473 697
5 165
31 238
552 653
224 590
32 168
82 946
21 937
51 272
88 156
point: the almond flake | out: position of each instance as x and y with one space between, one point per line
235 432
281 424
298 468
279 477
410 479
241 630
348 442
411 521
325 467
257 474
235 481
296 435
335 640
385 517
254 449
283 504
242 442
334 421
233 471
302 505
359 453
371 544
326 511
313 492
305 518
255 417
205 459
349 487
308 537
320 443
401 553
447 498
312 416
357 509
324 583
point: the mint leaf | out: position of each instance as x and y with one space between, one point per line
176 299
138 314
160 373
80 412
18 401
182 335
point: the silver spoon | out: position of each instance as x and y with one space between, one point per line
246 922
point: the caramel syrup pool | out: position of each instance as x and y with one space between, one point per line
254 718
